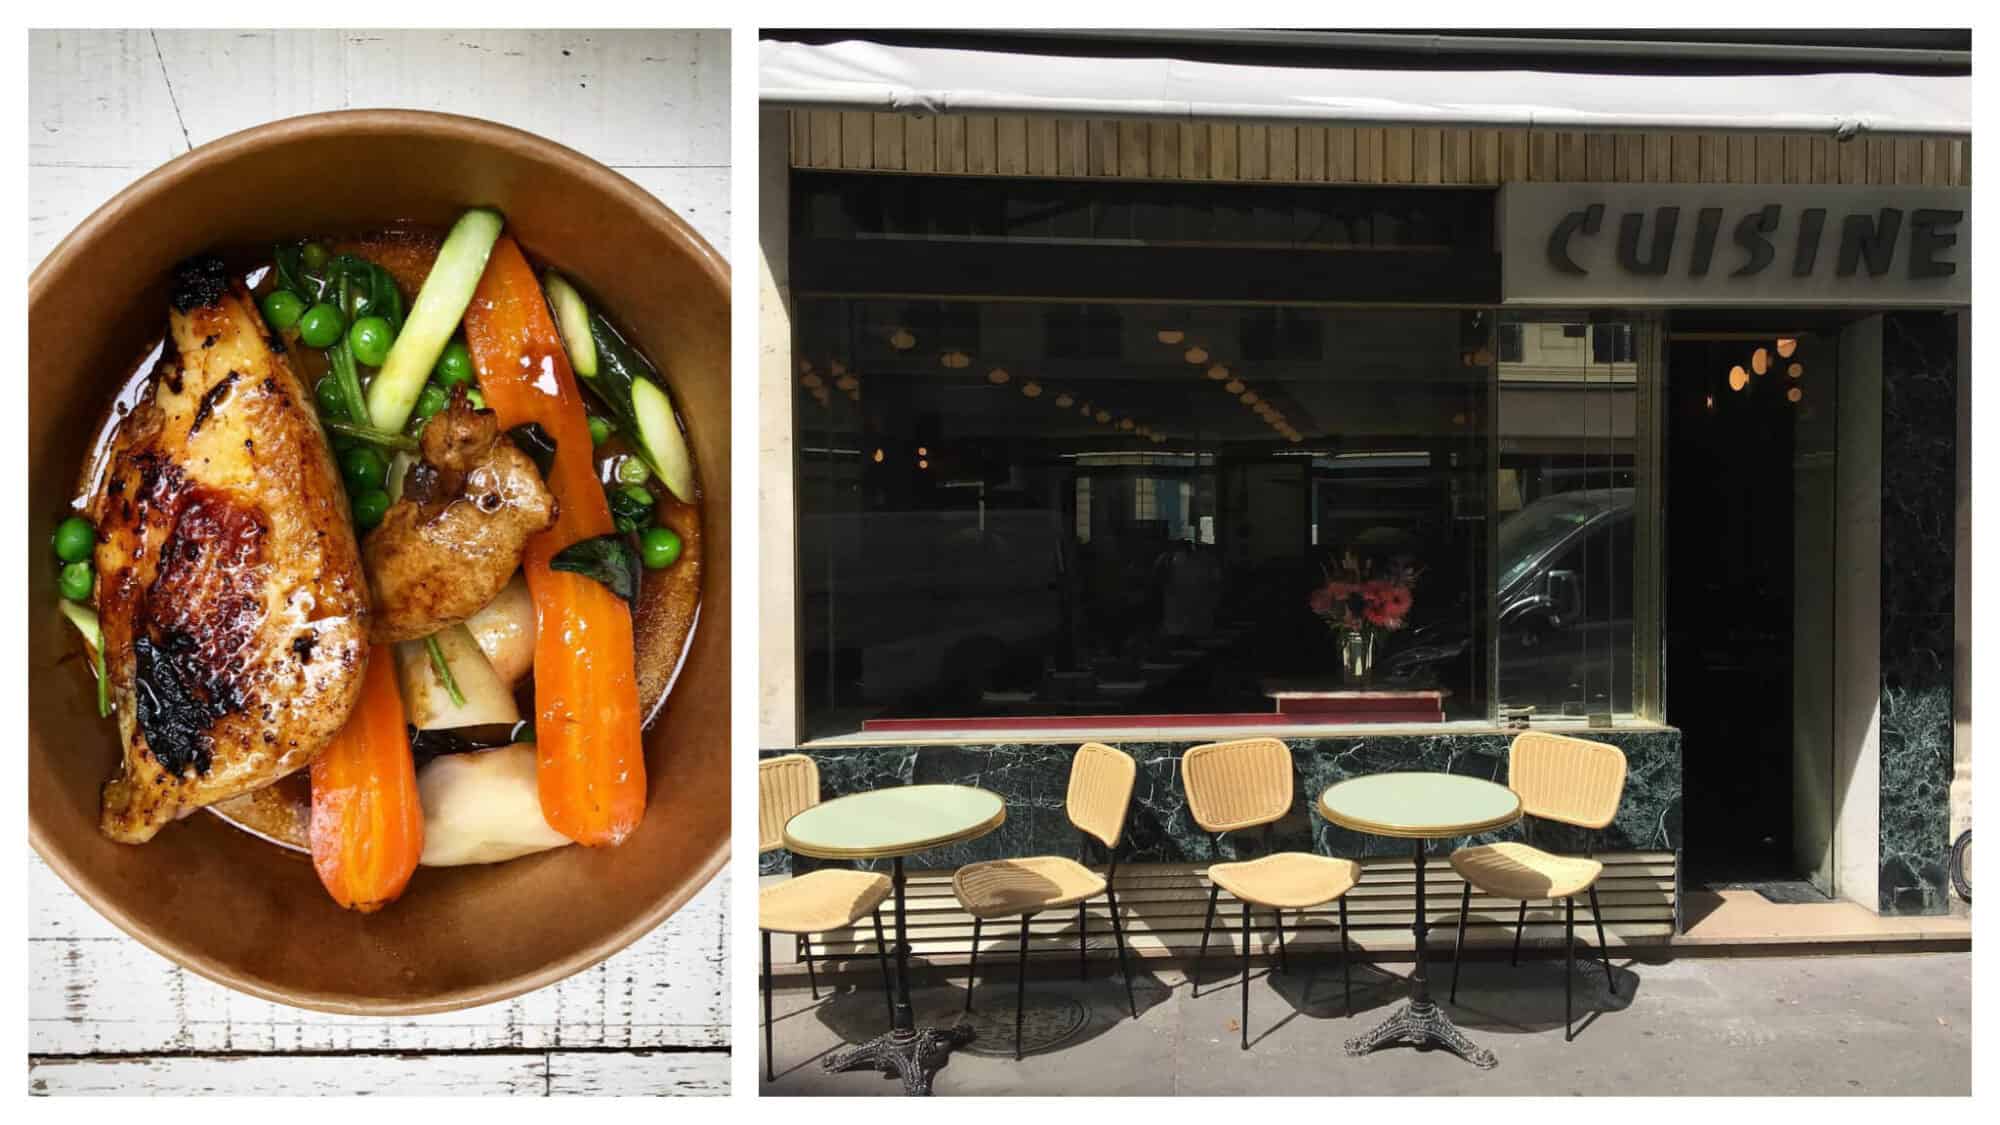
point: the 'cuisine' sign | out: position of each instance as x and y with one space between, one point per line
1797 244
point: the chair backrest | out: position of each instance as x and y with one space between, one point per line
786 787
1100 791
1571 780
1242 784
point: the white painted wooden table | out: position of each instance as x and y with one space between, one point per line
107 1015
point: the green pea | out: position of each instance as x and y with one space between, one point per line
632 470
315 257
369 508
282 308
454 366
370 338
600 430
320 326
332 400
659 548
363 469
78 581
75 539
431 400
477 400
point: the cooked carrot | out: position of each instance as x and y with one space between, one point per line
367 821
590 765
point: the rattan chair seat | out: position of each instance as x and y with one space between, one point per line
821 900
1287 880
1513 870
1002 887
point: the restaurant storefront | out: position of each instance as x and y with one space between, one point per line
1387 440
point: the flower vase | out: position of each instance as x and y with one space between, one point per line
1357 655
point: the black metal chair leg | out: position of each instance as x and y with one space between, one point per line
1208 920
972 970
882 958
1245 1023
1569 965
1082 932
770 1064
1458 947
1346 979
1520 923
1118 932
1021 987
1284 966
1603 951
805 954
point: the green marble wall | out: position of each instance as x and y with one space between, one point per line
1034 778
1919 555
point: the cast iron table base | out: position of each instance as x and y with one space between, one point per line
913 1056
912 1053
1421 1022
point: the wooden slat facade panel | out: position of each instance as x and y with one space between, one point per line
1162 907
1019 145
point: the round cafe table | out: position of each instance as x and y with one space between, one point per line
890 824
1420 807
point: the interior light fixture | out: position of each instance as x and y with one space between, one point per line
1126 423
1102 416
1786 346
810 381
1250 398
837 367
998 376
1218 373
1031 389
923 451
1760 361
1738 378
902 340
1064 400
877 458
1795 394
1196 354
1235 386
1171 335
923 464
1795 370
847 382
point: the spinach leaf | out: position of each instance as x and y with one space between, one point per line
609 559
531 439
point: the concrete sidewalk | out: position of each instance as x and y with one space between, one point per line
1873 1024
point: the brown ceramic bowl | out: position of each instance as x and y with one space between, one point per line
244 912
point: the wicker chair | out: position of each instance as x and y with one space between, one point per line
1570 781
1100 792
1248 784
816 902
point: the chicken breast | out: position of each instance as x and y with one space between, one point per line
230 589
447 547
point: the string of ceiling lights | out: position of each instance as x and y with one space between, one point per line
1762 362
1219 372
955 359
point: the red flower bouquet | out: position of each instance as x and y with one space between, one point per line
1361 598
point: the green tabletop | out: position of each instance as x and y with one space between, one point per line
1419 805
892 822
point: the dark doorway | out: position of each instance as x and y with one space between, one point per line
1749 533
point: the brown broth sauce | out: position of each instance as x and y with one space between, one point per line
669 602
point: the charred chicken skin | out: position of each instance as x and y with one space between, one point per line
449 545
234 609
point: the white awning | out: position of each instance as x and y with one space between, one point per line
864 76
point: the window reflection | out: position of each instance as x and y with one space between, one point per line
1568 416
1142 532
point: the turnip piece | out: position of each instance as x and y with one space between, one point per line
483 808
426 701
505 631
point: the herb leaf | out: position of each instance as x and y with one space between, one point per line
531 439
443 669
608 559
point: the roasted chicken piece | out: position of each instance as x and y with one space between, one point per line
448 546
234 609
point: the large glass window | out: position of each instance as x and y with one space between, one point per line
1021 508
1568 506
